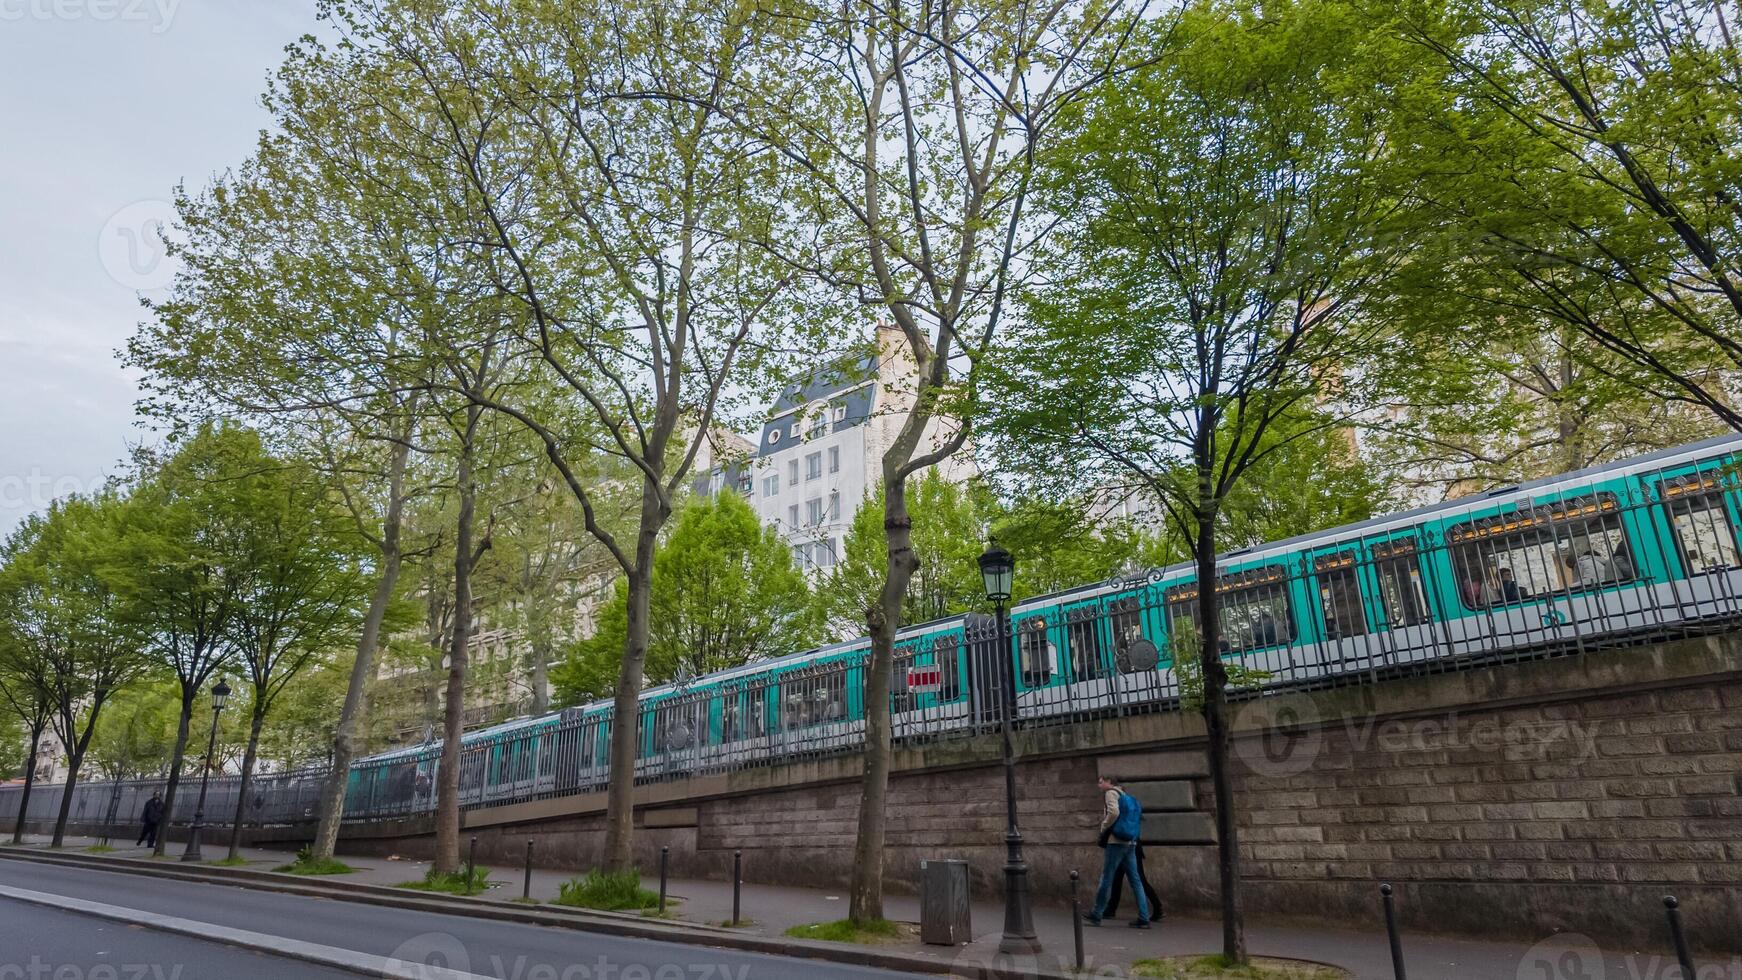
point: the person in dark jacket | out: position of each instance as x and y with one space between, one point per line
151 816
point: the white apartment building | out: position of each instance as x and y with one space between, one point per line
820 453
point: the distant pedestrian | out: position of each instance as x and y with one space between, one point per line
150 817
1122 825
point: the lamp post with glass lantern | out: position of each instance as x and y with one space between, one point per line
220 694
997 568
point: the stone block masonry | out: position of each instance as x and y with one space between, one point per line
1525 800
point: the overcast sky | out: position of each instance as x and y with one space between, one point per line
104 106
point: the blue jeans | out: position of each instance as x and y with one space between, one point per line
1120 858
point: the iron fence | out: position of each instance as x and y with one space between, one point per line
1632 560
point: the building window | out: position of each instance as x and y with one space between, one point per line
801 554
771 485
773 436
814 510
835 506
792 515
792 473
813 466
825 553
834 459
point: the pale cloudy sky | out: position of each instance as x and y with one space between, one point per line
104 106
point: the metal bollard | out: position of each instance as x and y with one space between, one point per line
1672 908
526 889
1077 918
737 883
471 863
664 860
1391 931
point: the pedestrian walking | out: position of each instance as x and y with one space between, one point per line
1122 824
1149 892
150 817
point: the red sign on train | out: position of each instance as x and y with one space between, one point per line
924 680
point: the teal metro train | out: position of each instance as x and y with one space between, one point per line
1611 555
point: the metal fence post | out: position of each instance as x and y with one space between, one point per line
1077 917
1391 931
737 884
472 863
1672 908
526 889
664 861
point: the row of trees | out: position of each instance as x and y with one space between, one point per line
513 265
215 556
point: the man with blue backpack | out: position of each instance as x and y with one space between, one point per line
1122 826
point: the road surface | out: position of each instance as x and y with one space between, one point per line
83 941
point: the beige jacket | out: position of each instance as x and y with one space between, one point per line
1110 808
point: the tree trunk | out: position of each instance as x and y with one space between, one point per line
248 759
351 715
626 710
540 672
29 782
1215 712
188 691
447 828
865 894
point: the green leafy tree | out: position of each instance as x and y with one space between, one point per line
1220 215
304 592
136 736
25 702
65 627
725 592
1577 164
187 560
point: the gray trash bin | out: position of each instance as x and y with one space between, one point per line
943 903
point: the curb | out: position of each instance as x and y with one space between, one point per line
615 924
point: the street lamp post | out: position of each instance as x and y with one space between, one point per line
220 694
997 568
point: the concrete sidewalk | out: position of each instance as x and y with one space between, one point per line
771 910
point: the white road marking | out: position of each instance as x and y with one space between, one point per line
345 959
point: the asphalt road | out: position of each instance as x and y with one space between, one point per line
506 950
38 943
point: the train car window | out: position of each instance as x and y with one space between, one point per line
1702 524
813 699
1127 618
900 698
1087 660
1340 607
1034 651
1565 546
1255 611
742 716
946 654
1401 593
